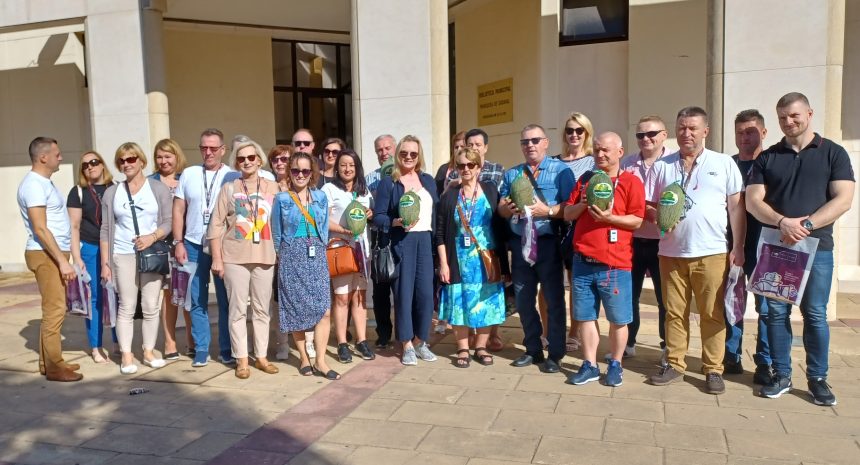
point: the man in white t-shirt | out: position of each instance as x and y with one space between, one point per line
49 234
193 205
693 254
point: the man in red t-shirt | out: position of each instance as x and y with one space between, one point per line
603 258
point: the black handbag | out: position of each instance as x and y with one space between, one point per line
383 269
155 258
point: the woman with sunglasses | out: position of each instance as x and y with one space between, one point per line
279 162
349 290
119 244
331 148
170 161
300 234
85 212
243 254
412 246
466 221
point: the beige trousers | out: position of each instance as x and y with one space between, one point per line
53 291
127 281
241 280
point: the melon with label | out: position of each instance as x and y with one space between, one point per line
409 208
671 207
599 190
356 218
387 167
522 192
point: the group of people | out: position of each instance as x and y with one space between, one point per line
454 240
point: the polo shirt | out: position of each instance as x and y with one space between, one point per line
702 232
554 180
753 225
591 238
634 165
798 183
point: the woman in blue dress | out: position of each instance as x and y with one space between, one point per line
469 301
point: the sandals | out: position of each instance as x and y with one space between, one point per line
306 370
330 375
572 344
496 344
485 359
462 362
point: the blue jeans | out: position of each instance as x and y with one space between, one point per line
548 271
93 264
596 283
816 332
645 259
735 335
200 304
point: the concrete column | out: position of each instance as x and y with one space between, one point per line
400 75
155 78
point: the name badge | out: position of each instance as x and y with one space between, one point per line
613 236
206 217
256 237
312 251
467 241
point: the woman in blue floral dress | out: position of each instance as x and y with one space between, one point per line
468 300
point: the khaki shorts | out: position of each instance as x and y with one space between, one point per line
346 283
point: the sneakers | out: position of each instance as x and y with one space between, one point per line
382 344
779 385
763 375
343 353
200 360
714 383
820 392
733 367
364 350
614 373
629 352
409 357
666 375
587 373
423 352
227 360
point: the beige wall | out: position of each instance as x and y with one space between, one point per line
219 80
849 225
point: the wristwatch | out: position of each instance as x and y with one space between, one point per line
176 241
808 224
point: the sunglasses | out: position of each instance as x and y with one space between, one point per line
334 152
462 166
206 148
533 140
241 159
129 160
306 173
579 131
649 134
282 159
408 155
302 143
90 164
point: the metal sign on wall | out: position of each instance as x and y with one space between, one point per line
496 102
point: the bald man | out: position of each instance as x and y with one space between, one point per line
603 259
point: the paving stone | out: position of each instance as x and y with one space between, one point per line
820 425
376 409
629 409
435 414
359 432
563 451
289 433
323 453
486 380
726 418
792 402
682 393
482 444
687 457
414 376
629 431
783 446
131 459
480 461
248 398
420 392
226 419
696 438
377 455
208 446
737 460
847 406
555 383
182 372
23 452
555 424
141 439
60 430
514 400
12 421
235 456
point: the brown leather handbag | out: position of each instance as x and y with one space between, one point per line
488 257
341 257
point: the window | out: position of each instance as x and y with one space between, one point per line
592 21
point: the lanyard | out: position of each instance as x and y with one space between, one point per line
470 209
614 190
97 199
207 186
308 218
685 181
256 200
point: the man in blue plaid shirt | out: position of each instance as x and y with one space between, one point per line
490 172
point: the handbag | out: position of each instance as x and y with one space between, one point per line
156 257
383 269
341 258
488 257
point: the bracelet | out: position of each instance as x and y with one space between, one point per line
778 223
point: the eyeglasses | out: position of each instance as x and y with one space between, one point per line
302 143
533 140
408 155
579 131
306 173
250 158
129 160
206 148
462 166
649 134
90 164
334 152
281 159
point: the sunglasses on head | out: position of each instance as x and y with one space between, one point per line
281 159
533 140
130 160
649 134
334 152
408 155
241 159
306 173
90 164
579 131
302 143
206 148
462 166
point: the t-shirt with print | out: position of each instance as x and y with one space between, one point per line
338 200
91 210
238 215
146 210
199 189
591 238
36 190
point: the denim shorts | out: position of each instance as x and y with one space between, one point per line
596 283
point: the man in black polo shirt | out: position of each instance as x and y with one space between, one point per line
801 185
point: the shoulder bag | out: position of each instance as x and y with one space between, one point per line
488 257
341 257
155 258
383 268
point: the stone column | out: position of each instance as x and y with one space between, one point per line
155 78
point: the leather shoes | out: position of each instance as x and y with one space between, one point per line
551 366
73 366
267 368
63 375
526 360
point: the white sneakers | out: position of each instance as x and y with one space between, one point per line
128 369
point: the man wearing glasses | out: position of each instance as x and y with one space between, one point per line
303 141
193 205
650 136
536 257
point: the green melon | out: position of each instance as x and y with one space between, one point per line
599 191
522 192
670 207
387 167
356 217
409 208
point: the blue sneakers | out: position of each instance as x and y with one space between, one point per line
587 373
614 373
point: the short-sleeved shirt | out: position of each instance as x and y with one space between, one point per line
36 190
555 181
90 206
798 183
146 211
753 225
578 166
200 188
591 238
634 165
338 200
713 178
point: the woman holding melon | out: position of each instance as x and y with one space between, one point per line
405 210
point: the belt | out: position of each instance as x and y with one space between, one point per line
588 259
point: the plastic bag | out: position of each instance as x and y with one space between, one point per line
78 296
180 284
782 270
110 301
736 295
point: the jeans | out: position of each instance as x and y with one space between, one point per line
816 332
548 272
645 260
594 284
735 334
200 304
93 264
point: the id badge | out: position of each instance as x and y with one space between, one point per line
312 251
515 219
613 236
467 241
256 237
207 215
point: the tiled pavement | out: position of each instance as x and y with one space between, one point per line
384 413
